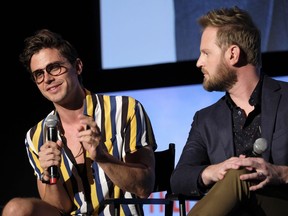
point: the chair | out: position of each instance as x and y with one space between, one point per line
182 200
164 166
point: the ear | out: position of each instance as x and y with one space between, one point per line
233 54
79 66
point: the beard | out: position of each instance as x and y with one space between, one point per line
222 80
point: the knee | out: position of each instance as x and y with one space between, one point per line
232 173
16 207
233 178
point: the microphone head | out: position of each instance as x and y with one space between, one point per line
260 146
51 121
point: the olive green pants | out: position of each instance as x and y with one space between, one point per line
231 197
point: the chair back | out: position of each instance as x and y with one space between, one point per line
164 166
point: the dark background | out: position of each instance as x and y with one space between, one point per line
78 22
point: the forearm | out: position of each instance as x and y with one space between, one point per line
55 195
131 175
133 178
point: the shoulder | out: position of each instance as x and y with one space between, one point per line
215 107
273 84
116 99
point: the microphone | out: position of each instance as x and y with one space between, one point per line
259 146
51 135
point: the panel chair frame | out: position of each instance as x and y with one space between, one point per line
164 166
182 199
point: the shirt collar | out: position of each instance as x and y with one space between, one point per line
255 98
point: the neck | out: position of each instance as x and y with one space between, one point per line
240 93
69 111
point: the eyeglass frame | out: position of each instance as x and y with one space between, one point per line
58 65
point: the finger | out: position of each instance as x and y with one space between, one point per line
249 176
257 186
261 175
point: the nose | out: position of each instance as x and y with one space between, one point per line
199 62
47 76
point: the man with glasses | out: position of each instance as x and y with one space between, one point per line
102 146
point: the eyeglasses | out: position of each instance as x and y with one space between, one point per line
54 69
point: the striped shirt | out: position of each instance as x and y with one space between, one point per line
125 128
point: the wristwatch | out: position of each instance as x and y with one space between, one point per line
43 180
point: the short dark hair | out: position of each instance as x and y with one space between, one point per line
45 38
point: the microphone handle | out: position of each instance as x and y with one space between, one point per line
255 154
53 170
